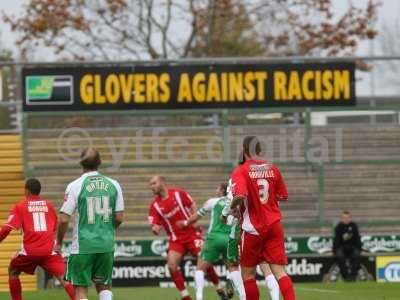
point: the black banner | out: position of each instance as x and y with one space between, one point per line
172 86
301 269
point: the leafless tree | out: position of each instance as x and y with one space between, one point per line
149 29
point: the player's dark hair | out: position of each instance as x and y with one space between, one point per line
33 186
90 159
251 146
346 212
223 186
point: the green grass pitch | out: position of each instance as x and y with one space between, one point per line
315 291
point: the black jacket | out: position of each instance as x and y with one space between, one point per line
346 236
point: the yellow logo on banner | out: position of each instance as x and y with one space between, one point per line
388 269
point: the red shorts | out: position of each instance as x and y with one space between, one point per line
192 245
52 264
269 247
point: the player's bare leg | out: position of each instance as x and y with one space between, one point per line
81 292
236 279
250 284
270 281
284 281
202 267
68 287
104 292
174 259
14 284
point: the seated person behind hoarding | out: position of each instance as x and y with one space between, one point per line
168 208
37 219
347 246
97 204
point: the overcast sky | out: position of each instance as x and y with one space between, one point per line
388 12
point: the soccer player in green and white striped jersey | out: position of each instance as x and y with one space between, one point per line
215 246
97 204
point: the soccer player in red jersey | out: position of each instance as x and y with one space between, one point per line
37 219
257 187
170 207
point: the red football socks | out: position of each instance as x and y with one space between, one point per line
286 287
69 288
178 279
250 286
15 288
212 275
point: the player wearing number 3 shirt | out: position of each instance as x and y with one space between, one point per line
257 187
37 220
96 203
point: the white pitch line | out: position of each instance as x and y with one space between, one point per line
317 290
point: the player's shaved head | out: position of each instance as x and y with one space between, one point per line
158 185
160 178
90 159
33 187
251 146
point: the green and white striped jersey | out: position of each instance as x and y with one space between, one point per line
215 206
93 199
232 221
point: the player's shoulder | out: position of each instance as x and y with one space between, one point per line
177 189
216 199
238 169
21 204
75 183
114 182
274 168
213 200
154 201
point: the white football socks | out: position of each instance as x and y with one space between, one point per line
199 282
105 295
236 278
272 286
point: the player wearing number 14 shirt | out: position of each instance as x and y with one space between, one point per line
97 204
37 219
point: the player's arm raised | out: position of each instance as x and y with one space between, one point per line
226 212
207 207
239 189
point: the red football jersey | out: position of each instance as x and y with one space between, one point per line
37 219
167 212
261 183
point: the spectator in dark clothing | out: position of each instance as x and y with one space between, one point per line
347 246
